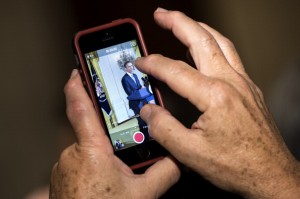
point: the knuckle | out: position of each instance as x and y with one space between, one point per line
70 85
157 121
179 69
177 14
207 40
77 108
222 93
226 43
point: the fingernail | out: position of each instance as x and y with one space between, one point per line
137 60
74 73
159 9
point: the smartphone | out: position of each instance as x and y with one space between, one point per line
106 55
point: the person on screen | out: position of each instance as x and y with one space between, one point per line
131 84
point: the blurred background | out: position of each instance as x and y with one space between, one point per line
36 61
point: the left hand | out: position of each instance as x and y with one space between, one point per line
89 168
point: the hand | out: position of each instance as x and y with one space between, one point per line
89 168
235 143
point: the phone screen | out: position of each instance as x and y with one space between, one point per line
121 91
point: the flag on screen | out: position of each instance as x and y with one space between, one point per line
101 96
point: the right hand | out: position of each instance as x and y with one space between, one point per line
235 143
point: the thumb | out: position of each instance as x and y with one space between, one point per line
82 114
166 130
161 176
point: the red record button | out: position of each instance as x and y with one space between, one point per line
138 137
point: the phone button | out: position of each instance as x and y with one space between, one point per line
76 60
143 152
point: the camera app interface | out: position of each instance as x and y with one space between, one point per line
121 91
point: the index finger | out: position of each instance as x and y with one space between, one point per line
228 50
82 114
205 50
180 77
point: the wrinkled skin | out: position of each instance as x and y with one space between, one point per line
235 143
89 168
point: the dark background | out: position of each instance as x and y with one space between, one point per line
36 61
